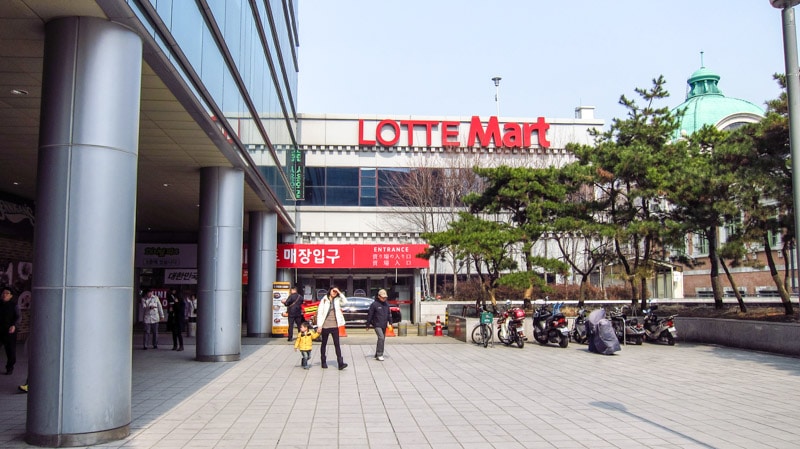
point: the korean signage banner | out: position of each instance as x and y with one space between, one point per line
165 255
351 256
184 276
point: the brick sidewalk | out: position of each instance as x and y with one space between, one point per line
454 395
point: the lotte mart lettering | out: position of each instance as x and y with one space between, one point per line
511 135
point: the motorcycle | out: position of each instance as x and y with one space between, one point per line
659 329
510 328
578 332
625 329
550 326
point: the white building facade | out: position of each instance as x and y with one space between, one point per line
354 228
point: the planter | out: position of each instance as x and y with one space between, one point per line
779 338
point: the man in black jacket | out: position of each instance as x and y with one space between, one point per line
378 317
10 317
294 308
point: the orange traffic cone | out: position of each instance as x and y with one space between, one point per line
342 332
390 331
437 330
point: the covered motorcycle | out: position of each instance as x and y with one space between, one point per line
600 333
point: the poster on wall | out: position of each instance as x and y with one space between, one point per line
280 323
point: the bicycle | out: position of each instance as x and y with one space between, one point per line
482 332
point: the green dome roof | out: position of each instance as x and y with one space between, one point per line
706 105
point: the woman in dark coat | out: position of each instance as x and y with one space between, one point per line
177 318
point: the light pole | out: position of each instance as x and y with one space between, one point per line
496 80
793 92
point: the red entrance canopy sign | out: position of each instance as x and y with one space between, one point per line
292 255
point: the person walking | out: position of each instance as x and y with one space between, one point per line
378 317
329 318
294 310
304 343
178 317
10 317
153 314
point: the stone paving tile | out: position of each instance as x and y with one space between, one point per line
434 392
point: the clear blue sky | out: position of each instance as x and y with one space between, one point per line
437 57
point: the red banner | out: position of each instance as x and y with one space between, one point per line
351 256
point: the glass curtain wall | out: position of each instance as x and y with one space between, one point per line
248 79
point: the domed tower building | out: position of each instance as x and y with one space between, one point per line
705 104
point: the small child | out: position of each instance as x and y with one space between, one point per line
303 343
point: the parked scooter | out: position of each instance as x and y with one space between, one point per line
550 326
578 332
659 329
625 329
510 328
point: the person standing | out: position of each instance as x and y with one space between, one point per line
191 313
10 317
178 316
153 314
294 310
329 318
378 317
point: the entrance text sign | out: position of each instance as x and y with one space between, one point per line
351 256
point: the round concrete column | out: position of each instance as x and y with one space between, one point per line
262 251
219 259
80 347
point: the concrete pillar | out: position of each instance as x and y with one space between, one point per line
219 259
262 251
80 347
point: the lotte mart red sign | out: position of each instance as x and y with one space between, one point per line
350 256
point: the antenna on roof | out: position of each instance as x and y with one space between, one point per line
701 59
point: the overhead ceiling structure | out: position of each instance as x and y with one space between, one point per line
172 145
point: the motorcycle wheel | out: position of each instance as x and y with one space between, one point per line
638 340
670 339
520 342
563 341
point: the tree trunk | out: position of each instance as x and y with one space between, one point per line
713 259
773 271
739 299
582 290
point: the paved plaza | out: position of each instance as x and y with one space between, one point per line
435 392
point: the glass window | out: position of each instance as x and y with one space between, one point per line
341 196
315 196
342 177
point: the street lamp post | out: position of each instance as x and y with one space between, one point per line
793 92
496 80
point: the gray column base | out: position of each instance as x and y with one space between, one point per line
259 335
218 358
78 439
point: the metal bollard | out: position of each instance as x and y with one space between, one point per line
422 329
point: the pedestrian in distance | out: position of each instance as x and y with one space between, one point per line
191 312
178 316
153 314
329 319
10 317
294 309
378 317
304 343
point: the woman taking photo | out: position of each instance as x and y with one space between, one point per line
329 319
